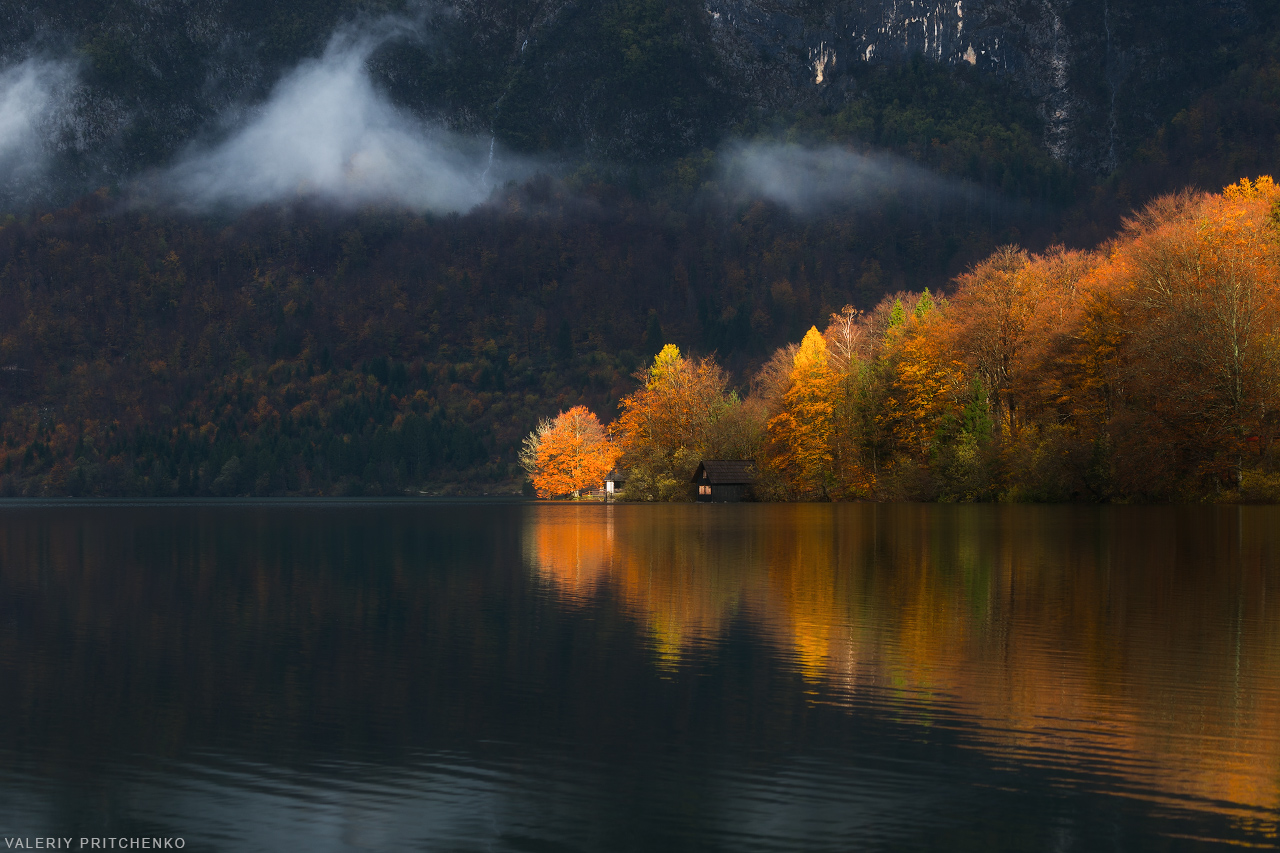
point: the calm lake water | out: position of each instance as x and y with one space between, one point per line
385 676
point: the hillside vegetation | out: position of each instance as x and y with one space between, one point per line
379 352
1146 370
323 360
300 349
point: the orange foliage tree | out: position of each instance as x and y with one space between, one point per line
568 454
994 306
669 424
1201 282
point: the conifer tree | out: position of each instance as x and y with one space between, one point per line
897 314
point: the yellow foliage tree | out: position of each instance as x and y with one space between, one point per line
929 381
800 434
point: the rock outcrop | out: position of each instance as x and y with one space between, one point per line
1105 72
625 78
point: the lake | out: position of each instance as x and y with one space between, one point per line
560 677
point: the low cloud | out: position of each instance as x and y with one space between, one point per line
808 180
33 102
327 132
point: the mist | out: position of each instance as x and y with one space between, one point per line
810 180
328 133
33 99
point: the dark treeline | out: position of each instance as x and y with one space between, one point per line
318 353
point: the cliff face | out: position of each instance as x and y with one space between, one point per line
1104 72
621 79
804 48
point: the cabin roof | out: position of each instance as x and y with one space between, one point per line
726 472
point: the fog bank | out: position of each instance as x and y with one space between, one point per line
33 99
808 180
327 132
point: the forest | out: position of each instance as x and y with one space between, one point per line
332 356
1146 370
303 349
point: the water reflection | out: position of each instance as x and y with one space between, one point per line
1129 649
381 676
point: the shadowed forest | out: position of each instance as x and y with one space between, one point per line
340 360
308 351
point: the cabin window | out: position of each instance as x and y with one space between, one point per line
704 490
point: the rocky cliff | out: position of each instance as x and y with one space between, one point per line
1104 72
622 79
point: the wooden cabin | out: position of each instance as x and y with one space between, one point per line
724 480
613 483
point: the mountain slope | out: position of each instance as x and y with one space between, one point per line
625 79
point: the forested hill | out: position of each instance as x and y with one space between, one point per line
186 309
303 339
626 79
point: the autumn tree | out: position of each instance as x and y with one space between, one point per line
682 414
800 435
528 454
1059 287
568 454
928 381
994 305
1062 384
1200 280
858 389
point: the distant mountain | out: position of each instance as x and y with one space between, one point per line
1104 74
627 80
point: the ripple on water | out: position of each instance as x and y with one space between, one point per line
749 678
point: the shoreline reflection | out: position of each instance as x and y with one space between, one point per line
641 677
1135 648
